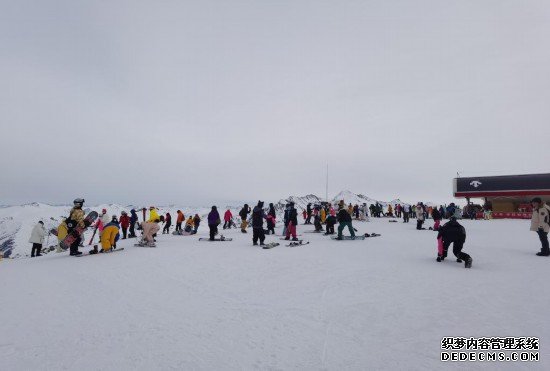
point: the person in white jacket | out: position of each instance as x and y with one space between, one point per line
37 239
540 223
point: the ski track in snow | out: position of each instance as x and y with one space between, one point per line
381 303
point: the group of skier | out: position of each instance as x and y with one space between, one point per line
109 228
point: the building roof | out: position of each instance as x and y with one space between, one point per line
504 185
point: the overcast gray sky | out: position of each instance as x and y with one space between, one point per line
193 102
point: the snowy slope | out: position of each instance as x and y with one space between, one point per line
383 303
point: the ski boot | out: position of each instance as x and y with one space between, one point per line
439 258
459 260
294 239
468 263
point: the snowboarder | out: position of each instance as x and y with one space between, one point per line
419 216
108 238
540 223
344 218
133 221
292 222
244 216
436 217
258 216
196 223
453 232
308 213
150 229
124 224
61 234
37 239
331 221
271 219
317 219
168 223
227 219
153 215
213 222
76 218
179 220
189 225
406 213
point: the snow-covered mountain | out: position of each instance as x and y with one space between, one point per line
16 222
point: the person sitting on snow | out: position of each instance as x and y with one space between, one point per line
189 225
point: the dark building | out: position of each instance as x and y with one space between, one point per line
508 196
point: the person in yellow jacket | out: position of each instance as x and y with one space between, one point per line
61 234
153 215
323 215
189 224
109 236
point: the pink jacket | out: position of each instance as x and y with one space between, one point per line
227 216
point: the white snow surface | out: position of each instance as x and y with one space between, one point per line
383 303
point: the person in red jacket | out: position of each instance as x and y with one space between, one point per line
227 219
124 221
168 223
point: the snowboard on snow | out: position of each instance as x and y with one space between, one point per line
221 239
77 232
297 243
345 238
99 253
321 231
372 235
182 233
270 245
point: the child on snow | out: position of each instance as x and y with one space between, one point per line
454 233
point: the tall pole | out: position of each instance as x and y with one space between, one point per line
326 191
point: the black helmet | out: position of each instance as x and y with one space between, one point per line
78 202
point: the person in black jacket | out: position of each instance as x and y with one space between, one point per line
453 232
308 212
244 216
258 216
271 218
344 218
330 221
436 216
133 221
291 222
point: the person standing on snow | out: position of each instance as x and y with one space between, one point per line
258 216
271 219
76 219
227 219
168 223
133 221
292 222
124 224
37 239
436 217
244 216
196 223
309 212
153 214
406 213
540 223
179 220
213 222
102 221
419 216
344 218
453 232
331 221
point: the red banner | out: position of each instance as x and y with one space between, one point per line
515 215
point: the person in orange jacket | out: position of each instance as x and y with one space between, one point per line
179 221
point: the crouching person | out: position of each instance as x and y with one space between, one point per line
454 233
149 230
